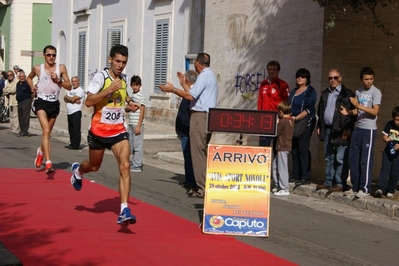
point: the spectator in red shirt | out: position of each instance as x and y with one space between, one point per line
272 91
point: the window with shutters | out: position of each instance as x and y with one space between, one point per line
114 36
161 53
82 58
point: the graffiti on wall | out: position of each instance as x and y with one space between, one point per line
92 73
249 83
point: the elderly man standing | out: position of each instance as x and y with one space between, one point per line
16 70
74 101
182 127
24 98
11 90
203 95
334 129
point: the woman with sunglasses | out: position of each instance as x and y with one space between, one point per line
303 100
51 77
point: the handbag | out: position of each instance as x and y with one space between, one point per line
300 127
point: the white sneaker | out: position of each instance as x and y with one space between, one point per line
362 194
349 192
378 193
282 193
390 195
275 190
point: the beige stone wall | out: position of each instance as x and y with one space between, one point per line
242 36
355 42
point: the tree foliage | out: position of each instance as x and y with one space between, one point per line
358 5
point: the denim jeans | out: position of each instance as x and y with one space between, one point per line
188 163
336 157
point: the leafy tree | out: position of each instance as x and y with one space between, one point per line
357 5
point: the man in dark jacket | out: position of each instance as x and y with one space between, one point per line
182 127
24 98
334 129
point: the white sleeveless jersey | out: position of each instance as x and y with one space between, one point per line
46 88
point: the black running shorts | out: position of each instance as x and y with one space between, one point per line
100 143
52 109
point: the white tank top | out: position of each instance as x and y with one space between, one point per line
46 88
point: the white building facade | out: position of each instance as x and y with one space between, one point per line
157 33
25 28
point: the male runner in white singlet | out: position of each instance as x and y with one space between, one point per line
51 77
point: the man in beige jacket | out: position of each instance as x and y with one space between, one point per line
11 90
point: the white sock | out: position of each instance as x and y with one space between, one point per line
123 205
78 175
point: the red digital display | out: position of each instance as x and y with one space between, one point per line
242 121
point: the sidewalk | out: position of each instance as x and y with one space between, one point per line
384 206
151 131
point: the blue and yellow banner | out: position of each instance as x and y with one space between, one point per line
237 190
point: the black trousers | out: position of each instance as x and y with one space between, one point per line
24 116
74 124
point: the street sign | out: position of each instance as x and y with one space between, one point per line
31 53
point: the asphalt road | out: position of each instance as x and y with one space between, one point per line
303 230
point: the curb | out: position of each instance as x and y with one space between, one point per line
171 157
387 207
382 206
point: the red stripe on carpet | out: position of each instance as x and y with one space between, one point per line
46 222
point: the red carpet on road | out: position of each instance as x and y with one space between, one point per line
44 221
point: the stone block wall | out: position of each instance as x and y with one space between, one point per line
355 42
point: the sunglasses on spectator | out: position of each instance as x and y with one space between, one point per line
10 75
335 78
51 55
301 76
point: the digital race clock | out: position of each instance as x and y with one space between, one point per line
242 121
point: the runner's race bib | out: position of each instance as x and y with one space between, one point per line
112 115
50 97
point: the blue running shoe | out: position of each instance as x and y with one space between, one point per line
126 217
76 182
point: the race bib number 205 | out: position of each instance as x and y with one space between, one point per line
112 115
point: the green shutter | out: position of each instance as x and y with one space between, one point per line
161 53
82 58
